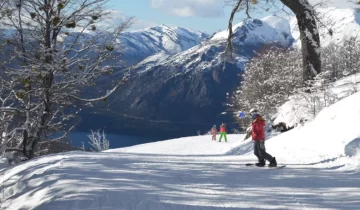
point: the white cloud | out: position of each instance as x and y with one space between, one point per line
118 17
187 8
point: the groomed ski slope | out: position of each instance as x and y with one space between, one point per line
199 145
197 173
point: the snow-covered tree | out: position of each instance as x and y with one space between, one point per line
98 141
8 116
307 22
342 59
54 50
268 80
339 60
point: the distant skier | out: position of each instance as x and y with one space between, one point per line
223 132
258 136
214 132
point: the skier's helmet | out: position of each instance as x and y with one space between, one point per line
253 110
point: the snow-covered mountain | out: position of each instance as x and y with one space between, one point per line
194 82
187 92
250 35
273 29
163 39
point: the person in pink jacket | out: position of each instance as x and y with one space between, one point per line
214 132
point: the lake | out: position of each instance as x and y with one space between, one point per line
116 140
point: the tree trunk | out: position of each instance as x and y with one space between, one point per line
309 35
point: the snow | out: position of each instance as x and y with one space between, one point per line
197 173
252 34
151 60
225 33
271 30
353 148
280 24
161 39
267 29
298 110
185 146
343 22
324 138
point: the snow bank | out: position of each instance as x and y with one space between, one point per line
199 145
324 138
299 110
293 113
352 149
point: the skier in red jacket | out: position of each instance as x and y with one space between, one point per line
258 136
223 132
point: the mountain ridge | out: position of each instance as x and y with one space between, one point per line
194 86
164 39
191 87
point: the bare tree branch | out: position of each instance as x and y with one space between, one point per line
229 46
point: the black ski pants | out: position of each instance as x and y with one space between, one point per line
260 151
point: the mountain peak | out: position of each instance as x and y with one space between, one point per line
162 39
162 27
179 31
267 29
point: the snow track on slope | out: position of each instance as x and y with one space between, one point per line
113 181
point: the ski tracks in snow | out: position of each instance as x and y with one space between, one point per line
115 181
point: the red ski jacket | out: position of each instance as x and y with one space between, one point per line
222 129
258 130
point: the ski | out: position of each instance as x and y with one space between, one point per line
279 166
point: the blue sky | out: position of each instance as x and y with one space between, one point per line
203 15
